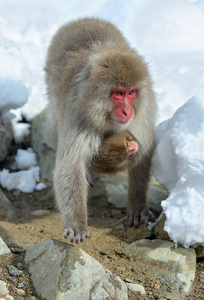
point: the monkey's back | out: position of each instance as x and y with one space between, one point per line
82 34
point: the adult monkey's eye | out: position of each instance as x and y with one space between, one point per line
118 93
131 93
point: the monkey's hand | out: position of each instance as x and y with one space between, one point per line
78 232
139 214
132 146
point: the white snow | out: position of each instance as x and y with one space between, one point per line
20 130
13 94
25 159
178 164
24 181
169 34
40 186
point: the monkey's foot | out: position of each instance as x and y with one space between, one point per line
132 147
77 233
137 217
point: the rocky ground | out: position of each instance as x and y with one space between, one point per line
26 219
109 235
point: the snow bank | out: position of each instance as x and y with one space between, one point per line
13 94
178 164
25 181
25 159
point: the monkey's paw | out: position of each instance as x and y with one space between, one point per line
137 217
79 233
132 146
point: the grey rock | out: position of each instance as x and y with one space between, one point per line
128 280
116 213
43 143
158 229
14 271
116 190
134 234
155 195
17 250
40 212
3 248
160 259
5 138
199 251
7 210
4 291
117 195
20 285
62 271
136 288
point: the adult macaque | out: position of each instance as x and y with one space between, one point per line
98 86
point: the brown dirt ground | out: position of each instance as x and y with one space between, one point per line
104 245
107 239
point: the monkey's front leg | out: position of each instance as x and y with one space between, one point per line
70 187
137 193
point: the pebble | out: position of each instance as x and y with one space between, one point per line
116 213
136 288
157 286
128 280
40 212
201 279
17 250
19 265
103 252
20 285
14 271
119 227
121 269
20 292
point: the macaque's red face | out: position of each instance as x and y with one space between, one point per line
123 101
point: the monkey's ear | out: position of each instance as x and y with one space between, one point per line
87 70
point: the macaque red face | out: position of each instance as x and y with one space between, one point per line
123 100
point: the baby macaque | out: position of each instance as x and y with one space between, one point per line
114 153
98 87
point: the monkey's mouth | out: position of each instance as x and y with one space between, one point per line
121 121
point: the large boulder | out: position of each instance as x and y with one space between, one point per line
173 269
43 143
62 271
